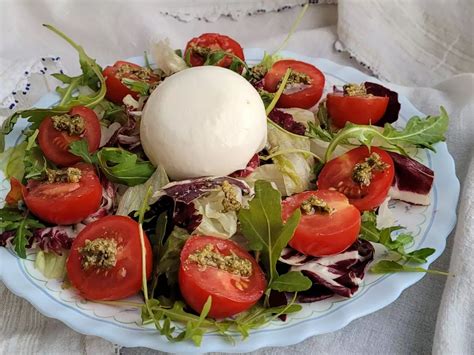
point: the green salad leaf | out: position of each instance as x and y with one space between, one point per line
51 265
292 281
265 231
418 132
396 246
390 266
21 224
117 164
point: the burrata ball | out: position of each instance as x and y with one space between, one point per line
203 121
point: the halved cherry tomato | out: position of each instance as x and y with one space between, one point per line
337 175
113 276
55 144
355 109
15 194
65 202
305 96
323 233
116 89
212 42
231 293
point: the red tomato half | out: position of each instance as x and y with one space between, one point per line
113 281
213 41
337 175
355 109
55 144
322 234
64 202
309 94
231 293
116 89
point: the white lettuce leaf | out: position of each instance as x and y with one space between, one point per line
296 167
133 197
166 58
51 265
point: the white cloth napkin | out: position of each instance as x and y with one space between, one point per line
407 325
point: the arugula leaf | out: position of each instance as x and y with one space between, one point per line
322 130
291 282
117 164
370 232
34 160
168 262
81 149
22 224
389 266
123 167
418 132
142 87
263 227
267 97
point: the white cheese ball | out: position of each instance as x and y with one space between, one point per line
203 121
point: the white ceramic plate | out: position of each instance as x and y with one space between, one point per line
430 225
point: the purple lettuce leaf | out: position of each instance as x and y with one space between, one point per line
393 107
187 191
107 205
413 181
53 239
339 274
186 216
6 238
287 122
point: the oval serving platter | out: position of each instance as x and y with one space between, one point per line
121 325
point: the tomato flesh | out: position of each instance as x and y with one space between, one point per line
63 202
116 89
231 293
322 234
120 281
55 144
337 175
309 94
213 42
356 109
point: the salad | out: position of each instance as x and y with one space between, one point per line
115 214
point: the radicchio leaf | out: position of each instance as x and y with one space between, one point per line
287 122
54 239
253 164
6 238
413 181
339 274
188 190
106 206
393 107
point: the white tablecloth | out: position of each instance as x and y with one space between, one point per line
111 30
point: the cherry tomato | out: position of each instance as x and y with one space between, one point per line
323 233
212 42
231 293
306 96
15 194
355 109
119 274
65 202
337 175
116 89
55 143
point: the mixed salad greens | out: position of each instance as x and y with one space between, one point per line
218 254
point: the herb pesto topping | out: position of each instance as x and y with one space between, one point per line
230 263
72 125
133 72
70 175
296 79
355 90
257 72
100 253
230 202
315 205
362 172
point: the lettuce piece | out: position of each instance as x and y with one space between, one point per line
51 265
214 220
133 197
296 167
166 58
11 161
